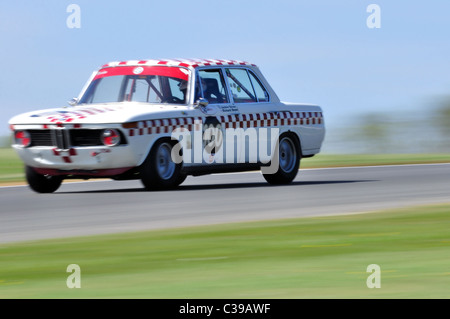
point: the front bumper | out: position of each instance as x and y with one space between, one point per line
83 159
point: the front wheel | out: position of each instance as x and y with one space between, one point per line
288 161
42 183
159 171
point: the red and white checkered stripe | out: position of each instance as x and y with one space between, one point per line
193 63
166 126
229 121
271 119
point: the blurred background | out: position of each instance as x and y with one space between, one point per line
382 90
385 94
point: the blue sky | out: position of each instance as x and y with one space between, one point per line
319 51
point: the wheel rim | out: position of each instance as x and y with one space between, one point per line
164 164
287 155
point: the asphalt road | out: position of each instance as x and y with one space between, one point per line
120 206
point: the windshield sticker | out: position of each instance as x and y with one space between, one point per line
168 71
138 70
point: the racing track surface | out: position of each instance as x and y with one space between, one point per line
119 206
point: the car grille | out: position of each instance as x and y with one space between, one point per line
41 138
85 137
64 139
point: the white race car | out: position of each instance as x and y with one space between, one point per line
161 120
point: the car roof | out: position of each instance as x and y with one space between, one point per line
189 63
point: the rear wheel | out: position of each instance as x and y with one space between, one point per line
159 171
42 183
289 157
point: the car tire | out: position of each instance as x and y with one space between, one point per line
159 171
42 183
289 158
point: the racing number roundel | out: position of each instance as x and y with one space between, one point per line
212 135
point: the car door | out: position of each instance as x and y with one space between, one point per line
217 115
253 101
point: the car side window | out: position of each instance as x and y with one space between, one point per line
241 86
211 86
260 91
246 87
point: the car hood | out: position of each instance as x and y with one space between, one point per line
100 113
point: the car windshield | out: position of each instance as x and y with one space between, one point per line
149 84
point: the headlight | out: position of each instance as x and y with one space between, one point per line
111 137
22 138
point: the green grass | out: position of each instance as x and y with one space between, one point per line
324 257
11 167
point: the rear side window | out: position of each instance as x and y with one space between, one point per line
260 91
245 86
241 86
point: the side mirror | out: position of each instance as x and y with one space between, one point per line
73 101
201 102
